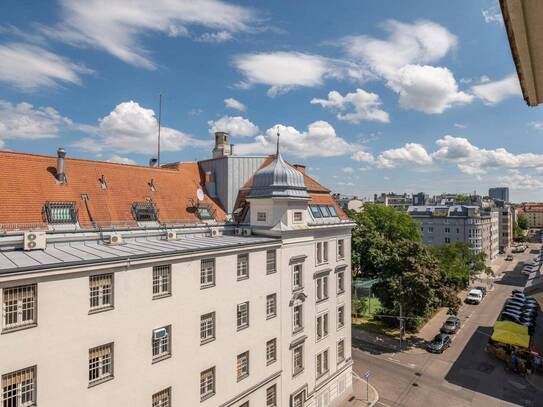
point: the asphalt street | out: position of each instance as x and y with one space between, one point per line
464 375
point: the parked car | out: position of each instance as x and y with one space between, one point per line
509 257
474 297
439 343
525 305
525 315
507 316
525 299
515 291
482 289
451 325
525 311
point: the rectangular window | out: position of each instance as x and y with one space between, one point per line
207 328
271 306
207 383
297 359
161 343
207 273
297 318
242 365
321 284
340 282
205 212
447 240
322 326
101 291
315 211
298 399
271 396
341 351
100 363
261 216
322 252
322 363
243 315
271 261
243 266
447 230
162 280
19 306
271 351
297 217
341 316
58 213
19 388
297 276
162 398
341 249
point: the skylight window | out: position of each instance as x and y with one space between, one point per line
60 212
144 211
205 213
315 211
323 211
332 210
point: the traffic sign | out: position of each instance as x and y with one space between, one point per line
367 375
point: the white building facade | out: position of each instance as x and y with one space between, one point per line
213 313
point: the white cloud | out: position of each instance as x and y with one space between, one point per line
348 170
536 125
236 126
345 184
362 156
492 15
517 180
24 121
402 61
117 26
428 89
232 103
365 105
410 153
29 67
130 128
386 178
283 71
471 159
495 92
120 160
460 126
320 140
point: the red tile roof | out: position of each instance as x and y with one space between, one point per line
27 182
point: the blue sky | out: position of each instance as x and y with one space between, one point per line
372 96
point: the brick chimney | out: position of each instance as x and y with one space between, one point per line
222 148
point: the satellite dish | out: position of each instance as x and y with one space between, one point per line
200 194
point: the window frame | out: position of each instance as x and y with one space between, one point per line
21 391
321 289
271 348
204 328
242 269
271 265
295 214
341 343
101 377
322 326
340 311
340 254
157 399
324 358
242 370
271 396
300 285
162 281
50 208
162 346
296 370
260 218
205 384
297 327
19 308
239 318
101 293
207 271
340 282
273 312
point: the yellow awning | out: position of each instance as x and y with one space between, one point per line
511 334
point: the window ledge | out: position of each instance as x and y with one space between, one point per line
19 328
270 362
100 381
323 374
102 309
241 328
271 316
341 292
204 286
161 358
297 330
207 396
299 372
160 296
271 272
243 278
341 327
245 376
321 300
322 338
206 341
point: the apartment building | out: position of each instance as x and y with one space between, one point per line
499 194
533 212
400 202
448 224
125 285
505 227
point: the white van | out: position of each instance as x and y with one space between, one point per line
474 297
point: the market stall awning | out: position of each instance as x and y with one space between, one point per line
511 334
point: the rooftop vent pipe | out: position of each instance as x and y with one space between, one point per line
61 176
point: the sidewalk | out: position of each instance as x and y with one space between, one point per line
360 393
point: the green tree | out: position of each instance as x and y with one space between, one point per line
413 278
522 221
377 229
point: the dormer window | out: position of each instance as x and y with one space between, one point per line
144 211
323 211
60 213
205 212
315 211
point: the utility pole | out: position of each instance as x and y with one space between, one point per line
159 123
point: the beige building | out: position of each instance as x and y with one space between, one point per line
130 286
505 227
534 214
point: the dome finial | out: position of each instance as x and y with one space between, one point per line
278 135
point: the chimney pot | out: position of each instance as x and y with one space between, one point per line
61 176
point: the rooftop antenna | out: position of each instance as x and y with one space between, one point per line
278 135
159 122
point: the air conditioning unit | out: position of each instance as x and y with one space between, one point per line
34 241
160 333
246 231
216 232
171 235
237 231
115 239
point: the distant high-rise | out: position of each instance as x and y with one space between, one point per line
501 193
